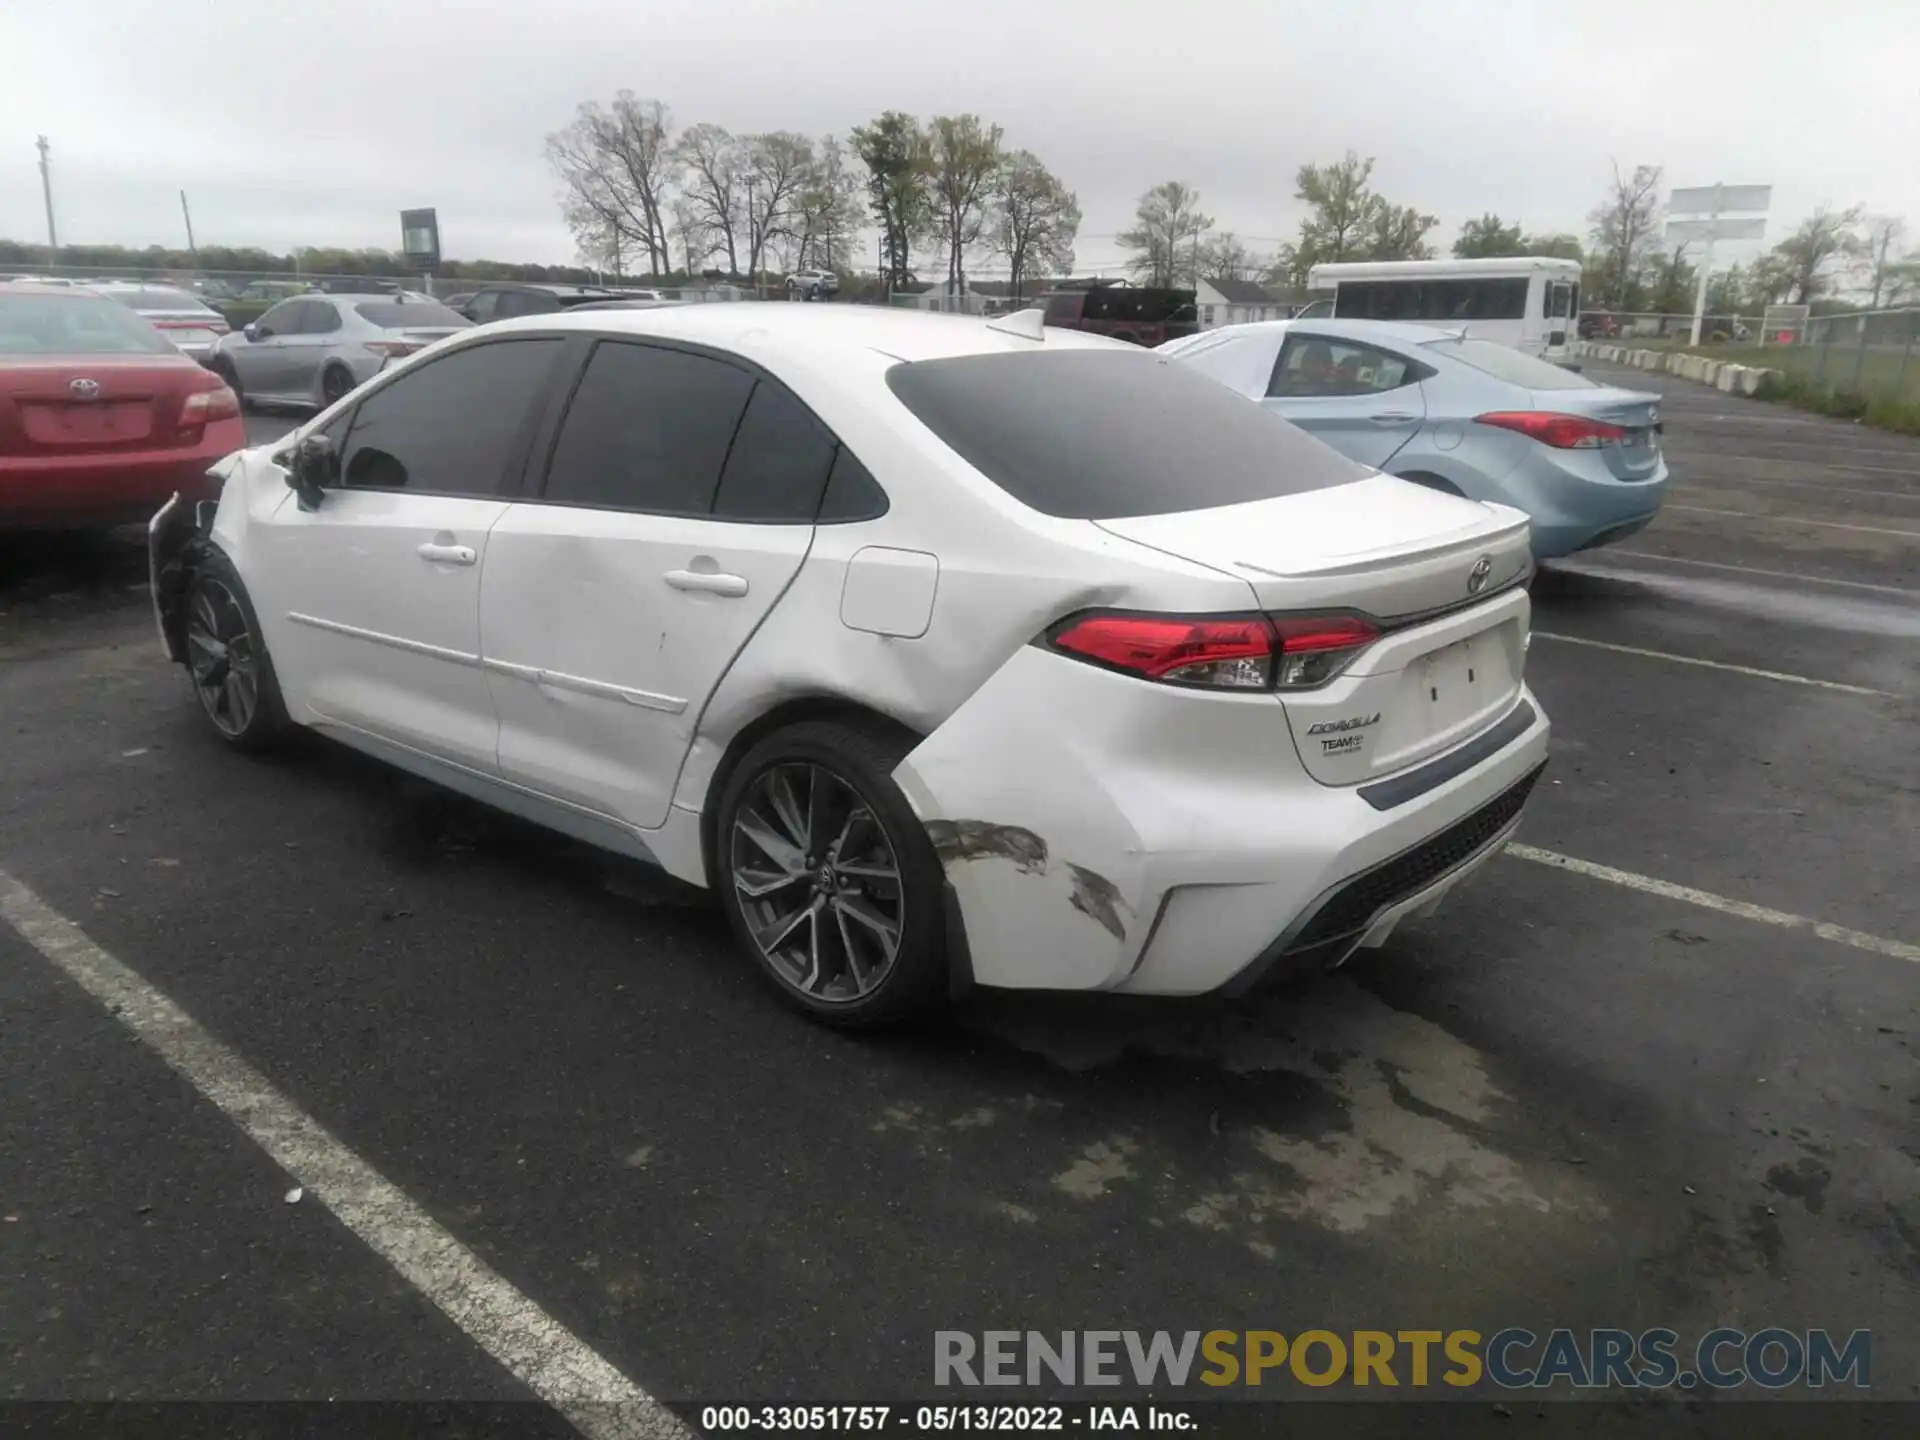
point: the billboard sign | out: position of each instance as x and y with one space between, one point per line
1721 200
420 238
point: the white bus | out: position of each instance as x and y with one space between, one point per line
1527 301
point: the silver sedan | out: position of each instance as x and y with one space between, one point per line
311 350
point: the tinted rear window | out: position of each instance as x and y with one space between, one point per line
1505 363
1101 435
75 325
427 316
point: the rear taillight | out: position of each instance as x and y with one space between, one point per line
1315 648
1218 652
217 402
391 348
1562 432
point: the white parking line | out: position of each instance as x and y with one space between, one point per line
542 1353
1696 481
1839 934
1750 570
1717 665
1796 520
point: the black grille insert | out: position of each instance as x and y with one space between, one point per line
1351 909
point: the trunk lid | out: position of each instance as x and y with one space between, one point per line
1636 456
98 404
1449 662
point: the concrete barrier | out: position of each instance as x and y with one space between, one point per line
1722 375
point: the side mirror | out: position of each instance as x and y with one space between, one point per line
252 332
315 465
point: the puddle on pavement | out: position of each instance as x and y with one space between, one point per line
1847 614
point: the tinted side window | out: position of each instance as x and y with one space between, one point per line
852 492
448 428
1063 309
1312 365
778 466
483 306
318 318
648 429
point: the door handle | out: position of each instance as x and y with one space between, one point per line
1394 417
712 583
448 554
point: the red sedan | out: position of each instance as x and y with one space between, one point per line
101 418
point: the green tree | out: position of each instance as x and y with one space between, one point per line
1398 232
1623 227
1878 247
1561 246
1166 234
1487 237
898 158
1036 218
827 209
965 157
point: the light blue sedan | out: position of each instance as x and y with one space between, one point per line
1456 413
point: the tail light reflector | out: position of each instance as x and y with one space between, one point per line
216 402
1218 652
1562 432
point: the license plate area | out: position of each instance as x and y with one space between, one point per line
111 423
1454 683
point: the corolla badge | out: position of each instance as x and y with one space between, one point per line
1353 722
84 389
1478 576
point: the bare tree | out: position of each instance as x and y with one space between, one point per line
1884 234
1036 218
826 209
696 244
1225 258
615 163
1623 225
1166 234
712 183
1809 253
776 167
965 156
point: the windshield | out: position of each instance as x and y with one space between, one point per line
1504 363
413 316
1102 434
75 325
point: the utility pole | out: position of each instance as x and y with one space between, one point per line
1706 267
187 215
46 191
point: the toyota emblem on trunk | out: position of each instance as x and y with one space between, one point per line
1478 576
85 389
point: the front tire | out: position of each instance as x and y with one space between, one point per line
227 660
828 878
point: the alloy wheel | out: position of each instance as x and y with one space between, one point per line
817 881
222 658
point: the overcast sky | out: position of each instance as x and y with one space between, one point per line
316 123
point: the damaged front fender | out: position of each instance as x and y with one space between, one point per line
174 537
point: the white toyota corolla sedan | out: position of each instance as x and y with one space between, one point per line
947 652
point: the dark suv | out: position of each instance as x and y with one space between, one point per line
510 298
1143 314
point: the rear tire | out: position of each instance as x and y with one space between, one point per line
828 877
334 385
227 660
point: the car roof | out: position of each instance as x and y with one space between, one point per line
772 331
39 287
1384 332
544 287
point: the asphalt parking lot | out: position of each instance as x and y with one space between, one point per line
1656 1067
